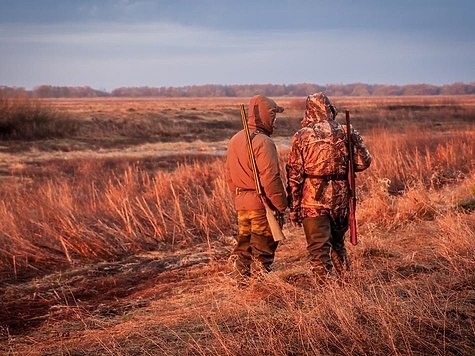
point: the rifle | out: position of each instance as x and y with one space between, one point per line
270 214
352 184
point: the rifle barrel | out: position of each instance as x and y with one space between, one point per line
251 153
352 184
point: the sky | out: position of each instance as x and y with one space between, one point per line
108 44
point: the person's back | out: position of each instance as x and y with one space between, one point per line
317 188
255 244
324 148
240 175
323 155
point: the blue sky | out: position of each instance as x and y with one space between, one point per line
109 44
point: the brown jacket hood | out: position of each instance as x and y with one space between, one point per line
318 108
262 111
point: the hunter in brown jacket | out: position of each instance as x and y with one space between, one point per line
255 244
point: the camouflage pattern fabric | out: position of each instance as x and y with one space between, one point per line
318 162
255 244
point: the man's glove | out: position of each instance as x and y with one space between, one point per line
280 218
295 218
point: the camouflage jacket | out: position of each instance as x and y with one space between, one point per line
318 162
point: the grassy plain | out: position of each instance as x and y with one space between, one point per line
116 234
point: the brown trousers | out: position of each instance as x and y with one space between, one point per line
323 237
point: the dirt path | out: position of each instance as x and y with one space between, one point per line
106 288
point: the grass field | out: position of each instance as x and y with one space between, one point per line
117 226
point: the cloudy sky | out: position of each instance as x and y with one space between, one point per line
108 44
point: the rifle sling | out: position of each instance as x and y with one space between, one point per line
254 134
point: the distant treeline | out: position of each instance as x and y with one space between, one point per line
244 90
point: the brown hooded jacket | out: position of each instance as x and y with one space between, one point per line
239 175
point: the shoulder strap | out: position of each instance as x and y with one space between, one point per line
254 134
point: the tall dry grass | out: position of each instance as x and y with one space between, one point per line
393 302
90 212
22 118
414 165
96 214
410 291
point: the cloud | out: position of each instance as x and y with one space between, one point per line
109 55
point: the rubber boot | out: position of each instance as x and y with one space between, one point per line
241 272
242 260
341 260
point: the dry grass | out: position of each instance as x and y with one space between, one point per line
88 211
26 119
140 243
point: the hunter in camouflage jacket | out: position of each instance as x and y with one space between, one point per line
318 162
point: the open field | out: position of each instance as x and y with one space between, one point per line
106 128
116 234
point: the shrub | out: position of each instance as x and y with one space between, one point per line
26 119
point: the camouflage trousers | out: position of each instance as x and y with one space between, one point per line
324 239
255 245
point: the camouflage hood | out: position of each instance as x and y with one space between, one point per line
262 112
318 108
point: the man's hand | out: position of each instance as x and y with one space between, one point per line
295 219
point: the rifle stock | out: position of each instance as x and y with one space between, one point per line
274 225
352 185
